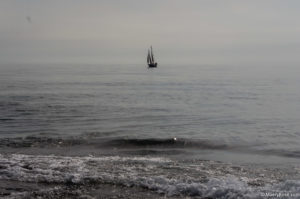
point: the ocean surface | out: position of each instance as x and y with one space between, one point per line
214 131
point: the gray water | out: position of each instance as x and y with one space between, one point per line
234 114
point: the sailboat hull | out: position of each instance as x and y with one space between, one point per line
154 65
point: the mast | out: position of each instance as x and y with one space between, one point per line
150 56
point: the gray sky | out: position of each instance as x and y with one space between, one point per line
119 31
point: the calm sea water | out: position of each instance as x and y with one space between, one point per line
244 114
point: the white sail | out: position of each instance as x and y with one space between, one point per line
152 57
148 58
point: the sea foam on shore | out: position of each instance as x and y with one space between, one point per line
155 174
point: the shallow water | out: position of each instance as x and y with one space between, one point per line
246 116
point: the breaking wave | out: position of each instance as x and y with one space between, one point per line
114 142
147 146
167 143
171 178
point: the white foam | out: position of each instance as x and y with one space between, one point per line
158 174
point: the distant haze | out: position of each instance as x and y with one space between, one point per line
118 31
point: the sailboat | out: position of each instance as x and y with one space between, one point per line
150 59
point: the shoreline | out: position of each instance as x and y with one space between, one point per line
99 191
52 176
